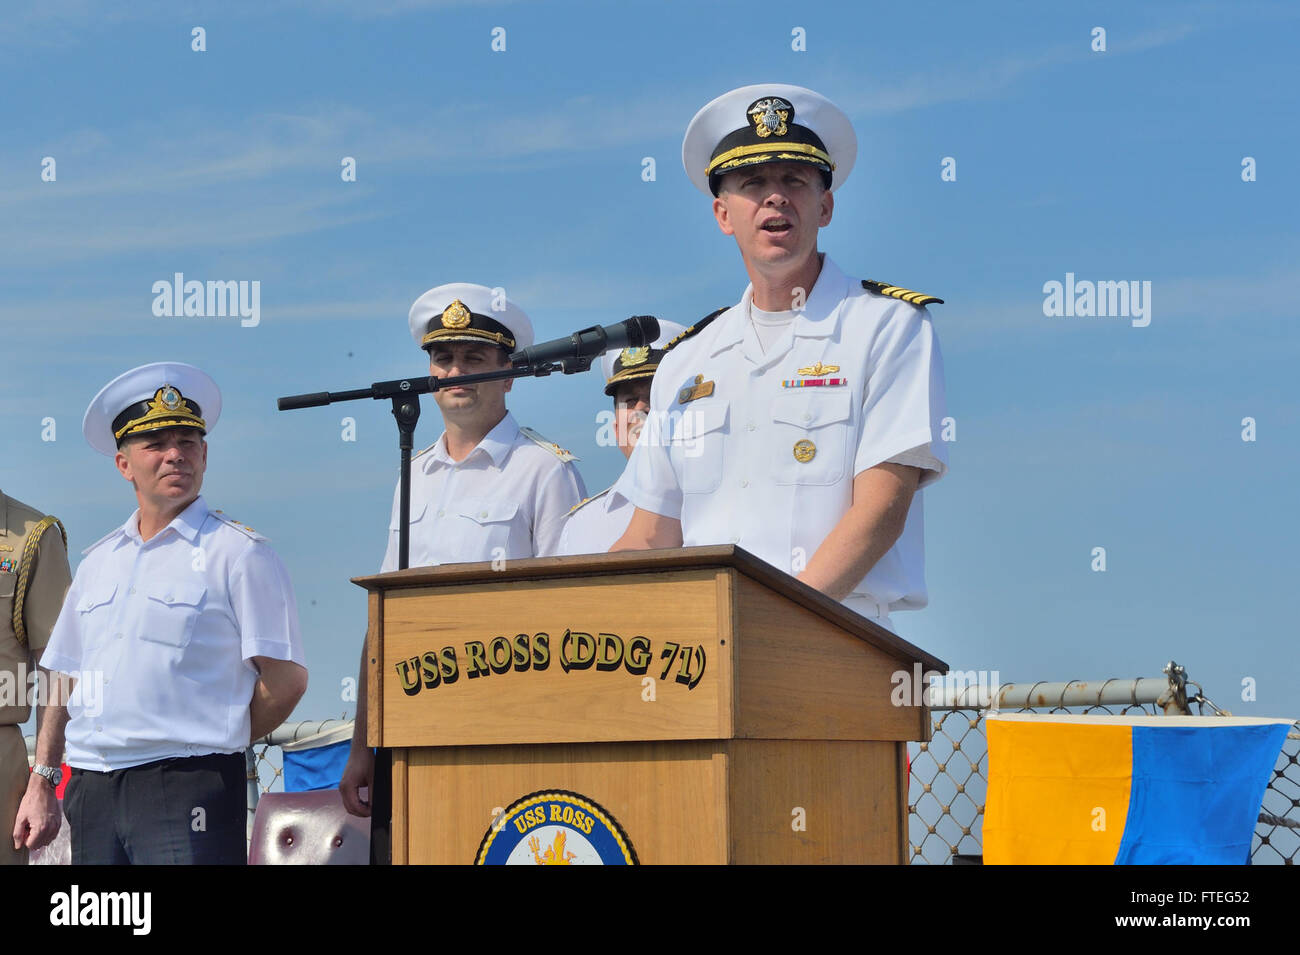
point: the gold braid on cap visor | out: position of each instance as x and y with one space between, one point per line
768 152
466 334
627 374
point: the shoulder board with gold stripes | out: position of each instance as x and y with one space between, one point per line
551 446
587 500
696 328
424 450
242 528
907 295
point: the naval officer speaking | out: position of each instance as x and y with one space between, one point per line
801 423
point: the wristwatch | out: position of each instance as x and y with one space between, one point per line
53 773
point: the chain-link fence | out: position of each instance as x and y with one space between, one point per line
949 774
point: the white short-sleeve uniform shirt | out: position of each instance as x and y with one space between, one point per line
596 525
507 499
724 463
161 634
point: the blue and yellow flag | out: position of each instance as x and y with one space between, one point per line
1147 790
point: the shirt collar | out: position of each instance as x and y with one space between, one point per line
496 444
819 317
187 523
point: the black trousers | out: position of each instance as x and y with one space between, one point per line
190 810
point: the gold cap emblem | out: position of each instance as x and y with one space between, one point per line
455 315
770 116
804 451
630 357
170 397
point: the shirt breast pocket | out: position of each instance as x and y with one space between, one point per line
698 444
812 436
93 611
417 514
170 612
489 521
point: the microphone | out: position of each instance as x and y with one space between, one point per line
590 342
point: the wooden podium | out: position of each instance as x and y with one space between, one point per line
714 708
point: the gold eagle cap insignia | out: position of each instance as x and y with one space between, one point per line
819 369
455 315
770 117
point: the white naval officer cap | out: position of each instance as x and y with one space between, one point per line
772 122
163 394
642 362
461 312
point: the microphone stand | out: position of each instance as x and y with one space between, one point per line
404 393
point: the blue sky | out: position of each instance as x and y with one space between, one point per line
523 169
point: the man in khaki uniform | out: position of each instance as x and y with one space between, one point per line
34 577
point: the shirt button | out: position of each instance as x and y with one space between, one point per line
807 417
442 513
750 426
168 598
131 591
482 513
735 540
744 484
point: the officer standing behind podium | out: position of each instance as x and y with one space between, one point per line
189 620
800 423
487 489
595 524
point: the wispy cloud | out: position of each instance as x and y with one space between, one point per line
983 79
284 166
1267 294
66 23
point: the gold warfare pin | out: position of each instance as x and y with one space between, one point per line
819 369
804 451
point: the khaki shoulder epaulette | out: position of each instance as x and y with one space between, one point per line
905 294
587 500
424 450
551 446
242 528
696 328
